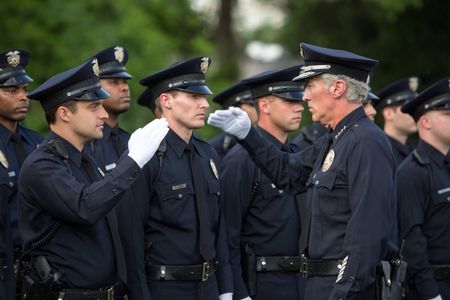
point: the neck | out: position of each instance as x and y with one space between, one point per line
112 120
69 136
342 111
274 130
10 125
395 134
184 133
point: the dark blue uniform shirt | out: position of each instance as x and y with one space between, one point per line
400 151
50 191
6 274
309 135
423 192
166 216
269 222
222 144
30 140
352 201
104 149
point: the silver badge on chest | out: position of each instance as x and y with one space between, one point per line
214 168
328 161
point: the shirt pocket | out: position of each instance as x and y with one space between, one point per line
330 200
177 203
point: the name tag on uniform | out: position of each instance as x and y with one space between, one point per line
11 174
444 190
110 166
179 187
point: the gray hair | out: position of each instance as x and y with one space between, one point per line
356 90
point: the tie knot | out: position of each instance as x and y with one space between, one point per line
17 137
190 147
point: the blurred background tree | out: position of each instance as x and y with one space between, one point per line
409 37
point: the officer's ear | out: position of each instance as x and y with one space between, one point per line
64 113
424 122
264 105
338 88
165 100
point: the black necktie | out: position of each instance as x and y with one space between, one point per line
306 221
200 201
111 220
119 145
21 154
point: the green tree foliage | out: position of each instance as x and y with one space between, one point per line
408 37
62 34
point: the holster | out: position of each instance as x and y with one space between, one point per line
40 282
248 263
390 278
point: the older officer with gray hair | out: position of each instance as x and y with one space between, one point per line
351 223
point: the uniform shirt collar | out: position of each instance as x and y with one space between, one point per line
347 122
6 135
271 138
74 154
434 154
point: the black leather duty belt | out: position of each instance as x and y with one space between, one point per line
278 263
441 272
182 272
78 294
319 267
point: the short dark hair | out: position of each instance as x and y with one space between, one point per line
50 115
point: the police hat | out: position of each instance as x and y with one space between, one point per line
147 99
372 97
79 83
398 92
277 82
435 97
112 61
187 76
12 64
320 60
235 95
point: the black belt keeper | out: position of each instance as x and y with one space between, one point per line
182 272
319 267
441 272
278 263
81 294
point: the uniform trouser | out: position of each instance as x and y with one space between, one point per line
444 290
280 285
8 283
320 288
184 290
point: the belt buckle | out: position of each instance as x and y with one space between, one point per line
205 271
303 266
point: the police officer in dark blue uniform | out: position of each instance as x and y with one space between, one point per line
16 143
238 95
351 194
148 100
113 78
423 192
6 283
263 221
397 124
175 238
69 230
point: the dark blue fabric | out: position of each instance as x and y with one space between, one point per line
51 191
352 203
423 193
163 212
270 222
222 144
400 151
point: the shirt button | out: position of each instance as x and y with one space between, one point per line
316 182
136 172
180 196
11 184
115 191
131 178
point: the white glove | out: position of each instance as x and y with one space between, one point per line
226 296
233 121
438 297
247 298
145 141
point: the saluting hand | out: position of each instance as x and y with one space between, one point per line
233 121
145 141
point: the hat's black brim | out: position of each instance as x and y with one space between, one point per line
196 89
291 96
121 74
96 94
17 80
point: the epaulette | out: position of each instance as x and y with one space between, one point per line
421 158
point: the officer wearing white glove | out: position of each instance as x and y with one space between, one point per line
233 121
145 141
438 297
226 296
